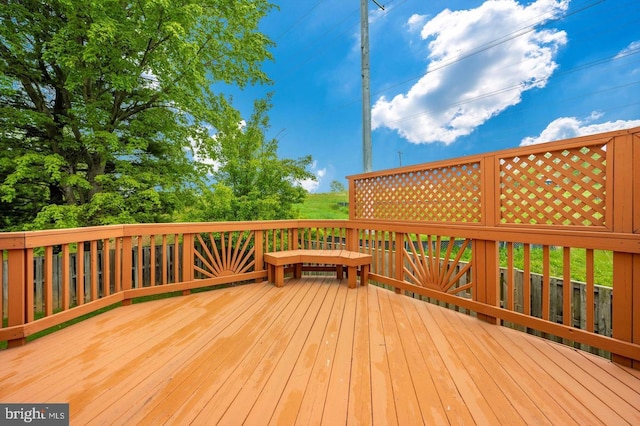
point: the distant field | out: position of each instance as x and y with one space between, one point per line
324 206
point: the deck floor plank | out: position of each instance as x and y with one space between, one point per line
160 360
446 389
406 400
622 374
286 411
383 404
124 350
227 371
595 375
360 408
431 405
273 389
611 405
312 352
512 370
336 403
164 385
259 381
462 375
504 373
483 370
312 404
580 401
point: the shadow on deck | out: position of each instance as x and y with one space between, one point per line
312 352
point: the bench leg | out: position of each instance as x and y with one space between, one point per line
364 275
279 276
271 273
339 272
352 275
298 270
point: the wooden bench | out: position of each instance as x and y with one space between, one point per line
277 261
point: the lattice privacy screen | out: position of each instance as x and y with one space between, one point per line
564 187
443 194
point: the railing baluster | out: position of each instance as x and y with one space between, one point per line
510 276
590 291
29 290
139 266
106 267
546 282
94 270
79 273
526 280
165 256
48 281
567 287
2 310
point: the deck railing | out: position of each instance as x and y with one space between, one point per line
486 233
566 203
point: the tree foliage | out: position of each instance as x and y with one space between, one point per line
252 182
337 186
102 101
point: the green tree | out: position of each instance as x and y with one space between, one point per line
102 101
251 181
337 187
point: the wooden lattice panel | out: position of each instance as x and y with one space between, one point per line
564 187
443 194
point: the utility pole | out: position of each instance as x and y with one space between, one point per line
366 96
400 157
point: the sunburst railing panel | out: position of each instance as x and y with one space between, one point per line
224 253
438 263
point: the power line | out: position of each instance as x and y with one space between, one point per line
323 42
484 47
300 19
488 45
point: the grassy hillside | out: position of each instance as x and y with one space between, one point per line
324 206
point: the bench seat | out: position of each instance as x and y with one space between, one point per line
277 261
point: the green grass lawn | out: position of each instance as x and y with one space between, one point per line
324 206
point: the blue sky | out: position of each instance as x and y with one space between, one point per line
448 78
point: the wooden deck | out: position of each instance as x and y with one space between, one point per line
312 352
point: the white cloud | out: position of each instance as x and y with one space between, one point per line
312 185
416 22
631 49
571 127
472 75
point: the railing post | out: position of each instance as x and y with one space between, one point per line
295 234
258 250
352 199
486 259
624 154
16 271
486 275
352 240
